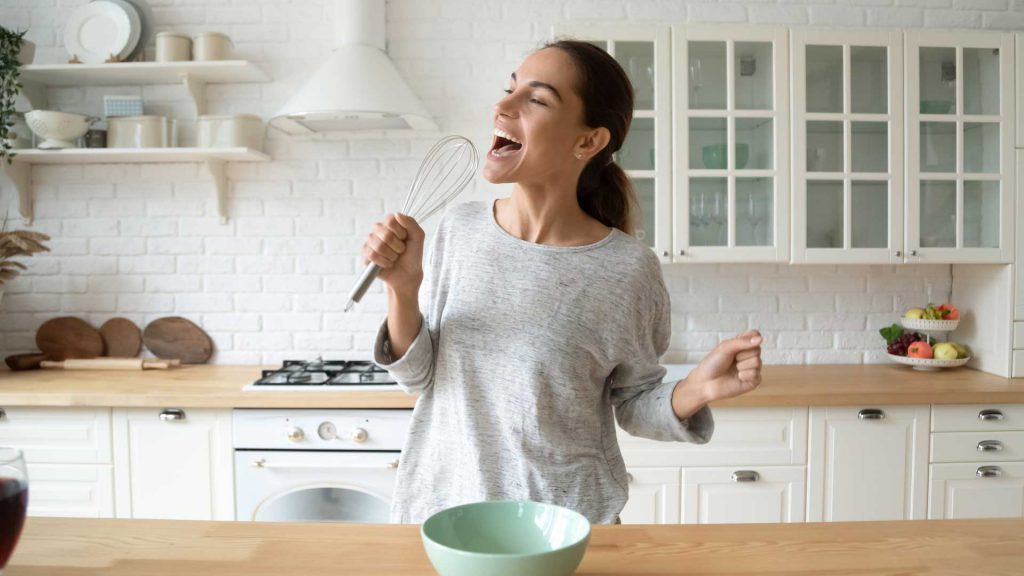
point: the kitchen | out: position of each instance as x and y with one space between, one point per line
262 257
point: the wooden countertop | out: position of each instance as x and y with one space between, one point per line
85 547
221 386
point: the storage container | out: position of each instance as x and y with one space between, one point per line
173 47
230 131
212 46
139 132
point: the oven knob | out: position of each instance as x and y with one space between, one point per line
327 431
359 435
295 434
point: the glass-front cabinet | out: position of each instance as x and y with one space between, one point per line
731 144
960 140
847 146
643 52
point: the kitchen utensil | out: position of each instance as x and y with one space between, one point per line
122 338
446 169
230 131
69 337
506 538
173 47
58 129
96 138
28 361
936 106
99 31
138 132
212 46
177 337
136 23
108 364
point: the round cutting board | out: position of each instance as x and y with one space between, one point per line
69 337
177 337
122 338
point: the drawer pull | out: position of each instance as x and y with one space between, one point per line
990 414
871 414
745 476
989 472
172 414
990 446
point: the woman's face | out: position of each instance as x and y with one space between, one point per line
538 125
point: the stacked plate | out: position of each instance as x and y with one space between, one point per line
102 30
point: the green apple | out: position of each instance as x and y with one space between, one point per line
962 351
915 313
945 351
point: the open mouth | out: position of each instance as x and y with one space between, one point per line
504 145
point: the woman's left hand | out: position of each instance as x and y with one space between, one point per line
731 369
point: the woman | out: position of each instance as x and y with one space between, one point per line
543 315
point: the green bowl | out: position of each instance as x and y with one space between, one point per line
506 538
714 158
936 106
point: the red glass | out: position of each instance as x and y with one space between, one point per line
13 501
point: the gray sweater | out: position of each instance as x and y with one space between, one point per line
523 353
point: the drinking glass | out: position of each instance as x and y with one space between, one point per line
13 501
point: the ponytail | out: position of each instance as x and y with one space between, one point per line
606 194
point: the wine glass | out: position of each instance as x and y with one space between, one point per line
13 501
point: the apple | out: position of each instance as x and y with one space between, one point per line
962 351
920 350
914 313
954 313
945 351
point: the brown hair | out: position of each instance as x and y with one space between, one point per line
603 191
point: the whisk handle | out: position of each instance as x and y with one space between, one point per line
364 283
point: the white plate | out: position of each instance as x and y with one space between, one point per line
136 24
929 325
96 31
928 363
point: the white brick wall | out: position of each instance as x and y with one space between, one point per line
143 241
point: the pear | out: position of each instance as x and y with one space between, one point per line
962 351
945 351
914 313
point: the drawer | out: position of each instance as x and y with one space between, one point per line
976 490
75 490
977 446
1018 335
977 417
743 437
58 435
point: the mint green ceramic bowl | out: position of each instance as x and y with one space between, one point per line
506 538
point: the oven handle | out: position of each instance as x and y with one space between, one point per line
262 463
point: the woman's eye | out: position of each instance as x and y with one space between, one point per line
507 90
535 101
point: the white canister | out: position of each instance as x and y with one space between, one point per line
138 132
173 47
212 46
230 131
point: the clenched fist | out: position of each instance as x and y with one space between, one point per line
396 246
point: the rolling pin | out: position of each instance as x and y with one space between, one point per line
110 364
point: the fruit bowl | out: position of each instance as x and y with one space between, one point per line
58 129
923 325
928 364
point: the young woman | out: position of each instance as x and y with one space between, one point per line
543 315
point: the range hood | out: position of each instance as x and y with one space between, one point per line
357 87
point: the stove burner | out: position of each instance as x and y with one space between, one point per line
321 372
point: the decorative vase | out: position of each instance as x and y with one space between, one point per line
27 53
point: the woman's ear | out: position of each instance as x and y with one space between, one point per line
592 142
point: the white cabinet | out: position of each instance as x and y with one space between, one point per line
867 463
1018 266
653 496
71 490
730 495
176 464
976 491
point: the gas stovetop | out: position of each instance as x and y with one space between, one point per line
320 374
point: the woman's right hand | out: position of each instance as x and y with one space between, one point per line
396 245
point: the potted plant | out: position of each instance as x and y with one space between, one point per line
11 59
14 244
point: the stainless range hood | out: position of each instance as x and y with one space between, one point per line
357 87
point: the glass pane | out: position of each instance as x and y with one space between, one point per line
599 43
938 80
324 504
981 147
708 212
981 81
938 214
753 69
824 146
707 143
869 214
637 152
754 211
637 59
824 78
869 80
981 214
707 75
645 199
754 144
938 147
824 214
870 141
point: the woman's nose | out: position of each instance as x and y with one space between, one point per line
506 106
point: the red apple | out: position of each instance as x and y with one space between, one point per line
954 313
919 350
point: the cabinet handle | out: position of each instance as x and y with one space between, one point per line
682 252
990 446
664 253
913 252
871 414
990 414
259 463
989 472
172 414
745 476
899 253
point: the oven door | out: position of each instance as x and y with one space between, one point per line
291 486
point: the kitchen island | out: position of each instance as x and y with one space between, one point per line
85 547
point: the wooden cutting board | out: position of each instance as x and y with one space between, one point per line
177 337
122 338
69 337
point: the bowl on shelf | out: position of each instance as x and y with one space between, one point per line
928 364
922 325
58 129
936 106
714 155
506 538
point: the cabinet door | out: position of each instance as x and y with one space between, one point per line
173 464
1018 272
653 496
71 490
977 490
731 150
867 463
960 134
743 495
847 146
58 435
643 52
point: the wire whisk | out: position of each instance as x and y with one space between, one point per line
445 171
